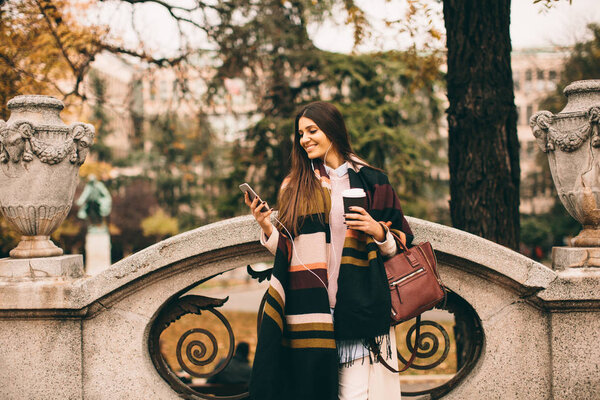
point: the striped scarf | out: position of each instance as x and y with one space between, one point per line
296 356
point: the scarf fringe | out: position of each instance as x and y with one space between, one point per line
349 357
383 344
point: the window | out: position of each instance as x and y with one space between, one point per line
163 89
540 75
528 75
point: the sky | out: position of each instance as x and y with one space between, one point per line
532 25
563 24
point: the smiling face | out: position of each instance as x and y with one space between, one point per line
319 130
312 139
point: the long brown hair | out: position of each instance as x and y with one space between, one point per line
301 193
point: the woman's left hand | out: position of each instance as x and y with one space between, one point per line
360 220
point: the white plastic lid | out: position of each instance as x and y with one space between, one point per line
355 193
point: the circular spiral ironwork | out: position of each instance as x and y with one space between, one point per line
196 350
468 338
428 346
196 347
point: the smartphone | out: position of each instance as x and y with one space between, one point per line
244 187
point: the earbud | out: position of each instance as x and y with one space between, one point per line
327 151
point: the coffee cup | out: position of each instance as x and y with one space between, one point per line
354 197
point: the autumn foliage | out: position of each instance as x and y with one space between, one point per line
46 49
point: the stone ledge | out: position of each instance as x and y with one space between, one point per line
42 294
574 288
524 274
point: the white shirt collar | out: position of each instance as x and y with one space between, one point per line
339 171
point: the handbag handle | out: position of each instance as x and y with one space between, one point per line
398 240
377 351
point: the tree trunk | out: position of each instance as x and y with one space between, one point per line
482 119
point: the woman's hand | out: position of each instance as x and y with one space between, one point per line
263 218
360 220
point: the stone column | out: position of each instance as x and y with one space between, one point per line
571 139
41 337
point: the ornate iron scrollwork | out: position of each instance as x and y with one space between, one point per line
468 335
201 350
433 347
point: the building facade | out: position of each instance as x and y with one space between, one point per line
536 73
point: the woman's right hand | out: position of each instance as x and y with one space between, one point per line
263 218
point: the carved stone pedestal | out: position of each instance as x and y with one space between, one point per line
66 267
35 246
575 257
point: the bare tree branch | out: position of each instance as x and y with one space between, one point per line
165 4
161 62
79 69
171 9
550 3
181 16
55 35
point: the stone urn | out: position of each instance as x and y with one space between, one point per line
40 158
571 139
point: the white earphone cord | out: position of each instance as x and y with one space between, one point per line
296 254
330 235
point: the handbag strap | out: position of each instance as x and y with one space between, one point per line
399 241
377 351
413 356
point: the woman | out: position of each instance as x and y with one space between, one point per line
328 296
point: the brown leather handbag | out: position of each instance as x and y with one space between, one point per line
415 287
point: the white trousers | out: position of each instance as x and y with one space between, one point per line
365 381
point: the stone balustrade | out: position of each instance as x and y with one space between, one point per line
65 335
